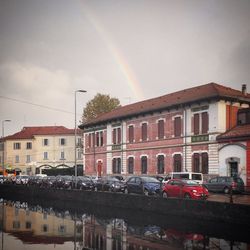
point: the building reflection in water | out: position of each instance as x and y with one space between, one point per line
35 225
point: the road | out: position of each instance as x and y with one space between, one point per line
236 198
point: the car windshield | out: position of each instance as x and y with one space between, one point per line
190 183
149 179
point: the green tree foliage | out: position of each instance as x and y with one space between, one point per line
98 105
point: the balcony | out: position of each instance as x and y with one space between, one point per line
116 147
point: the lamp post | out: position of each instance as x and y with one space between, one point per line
3 142
81 91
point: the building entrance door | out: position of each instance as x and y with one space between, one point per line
233 168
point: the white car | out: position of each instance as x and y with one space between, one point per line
22 179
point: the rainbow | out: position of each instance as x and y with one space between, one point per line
117 55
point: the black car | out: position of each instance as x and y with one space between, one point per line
109 183
84 183
143 185
224 184
48 182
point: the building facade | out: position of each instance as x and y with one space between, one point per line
234 148
34 150
175 132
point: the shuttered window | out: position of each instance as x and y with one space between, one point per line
177 126
204 163
177 163
89 140
144 165
204 122
196 124
114 136
161 129
196 162
144 132
116 165
130 165
160 164
131 134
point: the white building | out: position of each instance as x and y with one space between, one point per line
36 150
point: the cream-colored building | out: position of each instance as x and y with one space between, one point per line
34 150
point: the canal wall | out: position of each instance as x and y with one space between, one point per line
185 208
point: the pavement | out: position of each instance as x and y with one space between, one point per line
236 198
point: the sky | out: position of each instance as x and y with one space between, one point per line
130 50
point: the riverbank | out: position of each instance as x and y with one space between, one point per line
237 214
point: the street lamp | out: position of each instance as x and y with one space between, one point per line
3 142
81 91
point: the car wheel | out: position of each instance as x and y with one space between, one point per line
145 192
226 190
187 196
165 195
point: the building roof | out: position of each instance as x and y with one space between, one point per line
210 91
30 132
238 133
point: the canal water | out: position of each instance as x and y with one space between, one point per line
42 227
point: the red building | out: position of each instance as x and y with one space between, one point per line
174 132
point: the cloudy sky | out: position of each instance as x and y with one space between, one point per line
132 50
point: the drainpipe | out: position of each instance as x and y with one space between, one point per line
185 137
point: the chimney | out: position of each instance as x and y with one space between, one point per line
244 89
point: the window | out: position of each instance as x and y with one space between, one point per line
45 142
144 131
200 163
62 156
196 124
160 164
204 163
117 136
29 145
45 228
45 155
116 165
177 163
131 134
201 123
17 159
16 224
161 129
177 126
62 229
144 164
204 122
79 154
131 165
28 225
89 140
62 141
93 139
28 158
17 145
99 139
196 162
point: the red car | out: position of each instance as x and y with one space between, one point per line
184 189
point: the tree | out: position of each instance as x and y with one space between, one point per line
98 105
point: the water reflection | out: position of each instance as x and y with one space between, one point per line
25 226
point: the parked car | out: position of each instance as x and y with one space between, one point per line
1 179
109 183
48 182
178 188
224 184
65 181
84 183
21 179
143 185
35 180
